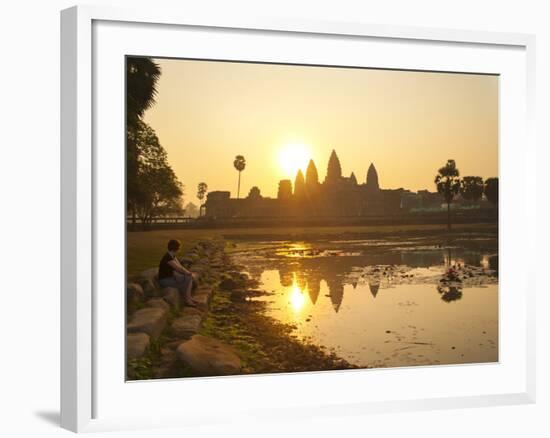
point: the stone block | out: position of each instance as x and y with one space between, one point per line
136 345
193 311
158 302
134 293
204 290
202 301
150 320
187 325
149 282
209 357
172 296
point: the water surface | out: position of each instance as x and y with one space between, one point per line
384 302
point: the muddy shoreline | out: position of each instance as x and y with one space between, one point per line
265 344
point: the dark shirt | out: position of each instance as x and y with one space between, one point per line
165 270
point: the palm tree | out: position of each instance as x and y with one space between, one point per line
239 163
142 75
202 189
447 182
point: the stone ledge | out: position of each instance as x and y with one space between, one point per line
149 282
187 325
158 302
202 301
150 320
209 357
136 345
192 311
203 291
134 292
172 296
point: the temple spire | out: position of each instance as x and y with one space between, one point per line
312 177
334 170
374 286
372 178
299 184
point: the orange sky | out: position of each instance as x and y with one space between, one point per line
407 123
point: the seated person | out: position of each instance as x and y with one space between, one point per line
173 274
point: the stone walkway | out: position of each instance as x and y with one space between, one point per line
157 318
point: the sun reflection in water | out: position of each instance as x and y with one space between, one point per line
297 297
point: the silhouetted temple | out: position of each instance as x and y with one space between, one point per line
336 196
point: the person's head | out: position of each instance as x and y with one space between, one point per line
174 245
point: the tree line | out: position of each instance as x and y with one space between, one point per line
471 188
152 186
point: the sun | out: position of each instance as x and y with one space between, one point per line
294 157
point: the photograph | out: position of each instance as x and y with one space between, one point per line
285 218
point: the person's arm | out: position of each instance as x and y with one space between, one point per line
176 265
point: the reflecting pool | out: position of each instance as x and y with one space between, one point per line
384 302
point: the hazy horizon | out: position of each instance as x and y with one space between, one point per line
279 116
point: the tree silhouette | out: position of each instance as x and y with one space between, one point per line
202 189
156 190
447 182
142 75
471 188
254 193
491 190
239 163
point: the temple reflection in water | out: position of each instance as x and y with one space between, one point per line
303 277
380 301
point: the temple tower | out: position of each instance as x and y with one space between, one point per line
334 170
299 185
312 177
372 178
285 189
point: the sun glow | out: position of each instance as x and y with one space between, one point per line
297 298
294 157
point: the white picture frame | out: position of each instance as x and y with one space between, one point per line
84 387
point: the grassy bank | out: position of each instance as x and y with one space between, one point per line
145 248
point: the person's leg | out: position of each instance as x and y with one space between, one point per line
168 282
185 284
178 283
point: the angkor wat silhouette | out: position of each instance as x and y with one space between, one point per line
336 196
